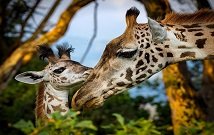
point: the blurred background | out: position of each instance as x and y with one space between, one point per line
88 26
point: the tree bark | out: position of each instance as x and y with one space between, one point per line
24 53
207 90
183 100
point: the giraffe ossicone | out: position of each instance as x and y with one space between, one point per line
145 49
58 77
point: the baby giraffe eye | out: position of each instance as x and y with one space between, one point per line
126 53
59 70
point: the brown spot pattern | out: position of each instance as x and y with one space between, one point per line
154 59
147 57
169 54
188 54
199 34
200 42
121 84
129 74
210 26
192 30
141 69
141 76
191 26
149 71
139 63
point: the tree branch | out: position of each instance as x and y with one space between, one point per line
26 20
94 34
44 21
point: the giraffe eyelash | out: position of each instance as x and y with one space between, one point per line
127 53
59 70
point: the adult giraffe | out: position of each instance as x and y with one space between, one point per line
145 49
58 77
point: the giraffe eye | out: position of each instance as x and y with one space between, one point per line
59 70
126 53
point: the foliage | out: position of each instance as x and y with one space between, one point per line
18 100
198 128
71 124
59 125
138 127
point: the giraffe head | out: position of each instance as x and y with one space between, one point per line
61 72
141 51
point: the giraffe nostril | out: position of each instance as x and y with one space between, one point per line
87 73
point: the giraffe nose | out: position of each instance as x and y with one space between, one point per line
87 73
85 98
79 99
92 102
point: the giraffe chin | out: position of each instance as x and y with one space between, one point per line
90 103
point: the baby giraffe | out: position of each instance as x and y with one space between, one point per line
59 76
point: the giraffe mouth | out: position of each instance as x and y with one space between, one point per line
86 102
90 101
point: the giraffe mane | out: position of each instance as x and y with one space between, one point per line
201 16
39 102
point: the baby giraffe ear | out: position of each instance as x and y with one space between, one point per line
158 32
30 77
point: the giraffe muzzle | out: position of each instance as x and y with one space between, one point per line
86 102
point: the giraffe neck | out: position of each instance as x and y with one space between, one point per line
190 42
50 100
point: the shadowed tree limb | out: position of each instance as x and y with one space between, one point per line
44 21
26 20
24 53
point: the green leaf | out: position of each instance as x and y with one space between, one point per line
56 116
110 126
44 133
72 113
120 119
86 124
25 126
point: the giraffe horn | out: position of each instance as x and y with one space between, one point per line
46 52
131 16
64 52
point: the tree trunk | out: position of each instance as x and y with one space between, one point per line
24 53
183 99
207 91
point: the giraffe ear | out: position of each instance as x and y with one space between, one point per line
30 77
158 32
